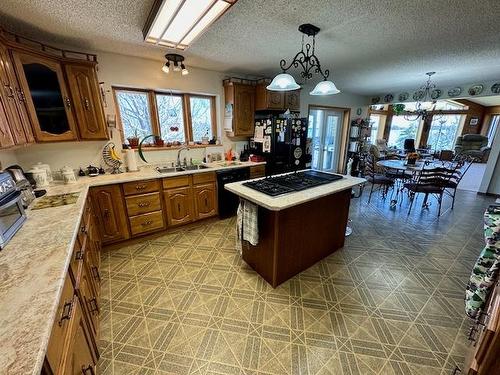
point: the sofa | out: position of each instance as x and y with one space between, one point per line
475 145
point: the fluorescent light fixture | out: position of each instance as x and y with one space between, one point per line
283 82
177 23
325 88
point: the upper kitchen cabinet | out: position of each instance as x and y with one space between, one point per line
49 104
13 104
241 97
82 80
266 100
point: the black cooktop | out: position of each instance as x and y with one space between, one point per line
277 185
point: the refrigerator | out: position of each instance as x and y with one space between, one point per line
282 142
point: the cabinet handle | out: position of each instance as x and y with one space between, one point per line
89 369
146 223
20 95
68 102
86 103
84 229
79 254
94 308
66 312
105 213
179 207
11 95
140 187
472 334
456 370
144 204
95 273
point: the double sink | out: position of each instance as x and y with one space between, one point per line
181 169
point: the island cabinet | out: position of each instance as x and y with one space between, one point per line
72 348
110 210
240 98
257 171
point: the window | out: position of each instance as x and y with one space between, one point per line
134 113
375 125
402 129
443 131
201 117
170 117
176 117
495 121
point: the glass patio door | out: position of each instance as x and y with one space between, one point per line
324 130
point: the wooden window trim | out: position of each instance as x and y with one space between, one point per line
153 110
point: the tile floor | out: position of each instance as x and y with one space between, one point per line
389 302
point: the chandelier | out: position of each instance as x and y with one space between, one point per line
422 96
308 62
176 62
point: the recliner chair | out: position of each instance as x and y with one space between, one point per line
475 145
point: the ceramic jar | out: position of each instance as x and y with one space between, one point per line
40 177
68 175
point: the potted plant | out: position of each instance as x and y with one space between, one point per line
159 142
134 141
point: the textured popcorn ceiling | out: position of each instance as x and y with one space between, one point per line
369 46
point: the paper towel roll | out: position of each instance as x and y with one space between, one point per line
131 161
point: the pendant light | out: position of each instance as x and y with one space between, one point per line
283 82
325 88
307 60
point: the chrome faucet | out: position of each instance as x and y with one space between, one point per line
179 154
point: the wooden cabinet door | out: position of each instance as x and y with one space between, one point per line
89 299
110 211
205 200
244 108
6 139
80 357
49 106
275 99
84 89
179 206
292 100
8 98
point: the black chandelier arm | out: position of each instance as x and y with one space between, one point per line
308 63
298 59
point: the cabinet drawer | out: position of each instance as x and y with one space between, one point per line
203 178
64 315
258 171
174 182
140 187
146 223
143 203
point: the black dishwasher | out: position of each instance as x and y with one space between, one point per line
228 202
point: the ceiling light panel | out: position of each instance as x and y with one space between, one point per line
176 23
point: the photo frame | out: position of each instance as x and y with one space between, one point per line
474 121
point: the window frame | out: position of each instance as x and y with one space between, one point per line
153 109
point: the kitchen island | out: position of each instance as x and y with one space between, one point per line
296 229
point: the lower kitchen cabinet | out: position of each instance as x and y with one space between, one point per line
205 200
110 210
179 205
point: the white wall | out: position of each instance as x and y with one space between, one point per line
491 179
121 70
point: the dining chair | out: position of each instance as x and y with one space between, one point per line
461 166
409 145
431 181
375 178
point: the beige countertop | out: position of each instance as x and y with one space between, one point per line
34 264
284 201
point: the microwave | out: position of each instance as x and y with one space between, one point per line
12 215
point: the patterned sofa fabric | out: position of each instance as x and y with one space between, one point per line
486 270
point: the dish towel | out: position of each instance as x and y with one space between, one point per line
247 228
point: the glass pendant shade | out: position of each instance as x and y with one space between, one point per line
325 88
283 82
166 68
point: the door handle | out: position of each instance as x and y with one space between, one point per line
68 102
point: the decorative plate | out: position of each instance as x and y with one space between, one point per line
495 89
418 95
454 92
476 90
403 96
376 100
436 94
388 98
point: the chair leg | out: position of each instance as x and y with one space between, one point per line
453 198
412 197
370 196
440 200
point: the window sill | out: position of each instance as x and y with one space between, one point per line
166 148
